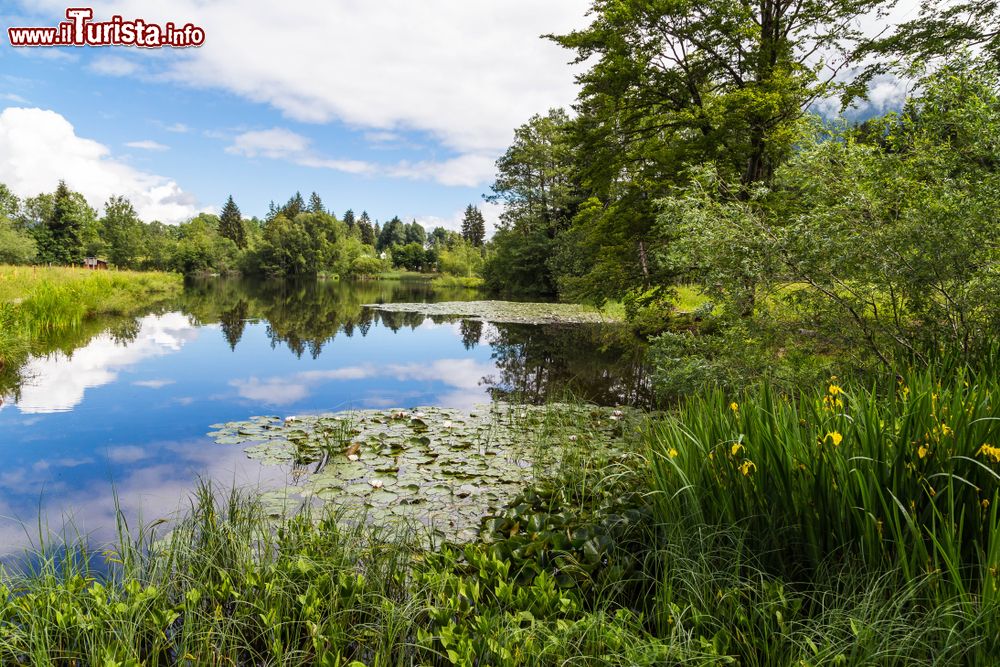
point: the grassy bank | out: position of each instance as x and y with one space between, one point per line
840 527
40 302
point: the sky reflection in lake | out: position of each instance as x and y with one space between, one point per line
128 408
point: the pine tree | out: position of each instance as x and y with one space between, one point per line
231 223
296 204
474 226
367 231
315 204
65 228
349 219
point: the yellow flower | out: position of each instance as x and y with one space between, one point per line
835 437
990 451
922 451
835 390
672 453
985 503
746 467
734 406
735 449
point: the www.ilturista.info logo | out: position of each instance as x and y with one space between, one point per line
80 30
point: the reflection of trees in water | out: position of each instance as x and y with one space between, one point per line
304 316
472 333
538 363
233 322
534 362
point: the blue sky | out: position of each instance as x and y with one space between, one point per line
396 107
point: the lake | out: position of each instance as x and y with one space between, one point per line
123 405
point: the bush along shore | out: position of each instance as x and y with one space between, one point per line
843 525
41 305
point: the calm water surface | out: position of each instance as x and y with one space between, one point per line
123 405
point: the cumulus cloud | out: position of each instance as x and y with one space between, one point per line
40 147
463 73
465 170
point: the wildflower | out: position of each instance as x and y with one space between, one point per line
922 451
376 483
572 438
835 390
985 503
735 449
835 437
447 424
353 457
673 453
734 406
617 413
746 467
990 451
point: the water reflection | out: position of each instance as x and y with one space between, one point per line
124 403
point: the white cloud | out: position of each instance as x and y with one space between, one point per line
466 73
147 145
113 66
40 147
11 97
281 144
179 128
465 170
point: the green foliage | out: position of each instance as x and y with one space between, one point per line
122 232
16 246
231 223
882 240
473 226
461 259
518 263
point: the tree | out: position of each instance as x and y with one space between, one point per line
123 233
415 233
349 219
535 183
231 224
889 232
726 80
368 236
60 236
474 226
316 204
392 234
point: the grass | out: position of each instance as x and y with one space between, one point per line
45 302
760 529
449 281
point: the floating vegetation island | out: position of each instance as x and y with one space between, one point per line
444 467
504 312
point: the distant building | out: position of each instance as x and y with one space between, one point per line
95 264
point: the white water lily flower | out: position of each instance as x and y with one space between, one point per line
572 438
419 415
376 483
291 419
353 457
448 424
613 418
